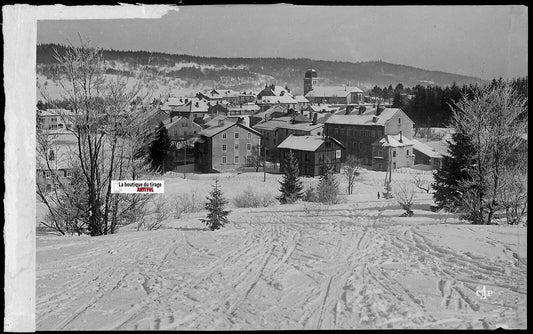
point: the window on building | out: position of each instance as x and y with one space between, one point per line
399 120
394 165
373 133
249 135
336 131
236 159
380 153
380 166
236 135
236 146
360 146
248 147
224 160
407 152
224 136
393 153
224 147
47 174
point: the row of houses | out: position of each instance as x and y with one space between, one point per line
221 129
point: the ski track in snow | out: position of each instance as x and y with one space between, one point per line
345 267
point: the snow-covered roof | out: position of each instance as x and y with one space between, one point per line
332 91
215 129
305 143
176 119
425 149
55 112
193 105
367 118
300 99
299 118
393 141
246 106
323 108
277 124
283 99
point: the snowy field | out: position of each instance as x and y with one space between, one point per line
356 264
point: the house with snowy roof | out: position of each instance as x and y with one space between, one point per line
272 90
192 108
54 119
225 146
359 128
275 131
426 155
181 128
316 93
231 96
312 152
392 151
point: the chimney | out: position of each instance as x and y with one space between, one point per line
170 119
315 119
401 138
362 110
375 119
186 100
221 122
379 110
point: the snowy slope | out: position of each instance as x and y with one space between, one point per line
351 265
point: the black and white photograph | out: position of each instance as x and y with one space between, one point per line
273 167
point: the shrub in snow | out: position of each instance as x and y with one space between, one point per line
187 203
291 185
216 215
153 219
310 195
404 195
251 199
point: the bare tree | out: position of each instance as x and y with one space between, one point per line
351 171
255 159
422 183
102 120
513 193
493 118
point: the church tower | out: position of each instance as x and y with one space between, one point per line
310 80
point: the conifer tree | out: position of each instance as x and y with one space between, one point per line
159 152
328 187
216 216
450 177
291 185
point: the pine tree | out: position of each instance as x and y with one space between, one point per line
450 177
159 152
291 185
216 216
328 187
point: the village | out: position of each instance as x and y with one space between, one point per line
221 130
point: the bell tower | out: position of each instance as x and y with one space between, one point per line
310 80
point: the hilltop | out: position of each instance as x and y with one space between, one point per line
186 72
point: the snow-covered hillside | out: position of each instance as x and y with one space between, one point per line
357 264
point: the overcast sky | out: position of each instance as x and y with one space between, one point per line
482 41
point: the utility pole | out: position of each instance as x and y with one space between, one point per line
264 164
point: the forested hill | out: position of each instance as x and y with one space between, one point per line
238 73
